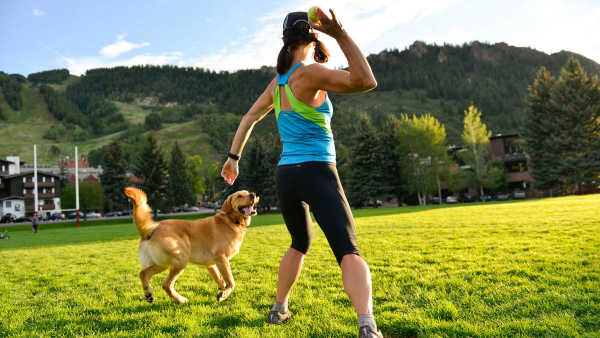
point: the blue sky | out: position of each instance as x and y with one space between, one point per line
37 35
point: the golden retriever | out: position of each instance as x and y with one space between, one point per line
174 243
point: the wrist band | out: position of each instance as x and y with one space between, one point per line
233 156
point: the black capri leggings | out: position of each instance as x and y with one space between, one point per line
316 185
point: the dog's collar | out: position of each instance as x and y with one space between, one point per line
147 237
236 222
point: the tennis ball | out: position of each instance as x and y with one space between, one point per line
312 14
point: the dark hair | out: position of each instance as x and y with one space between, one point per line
299 35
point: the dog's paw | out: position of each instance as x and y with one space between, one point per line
181 300
221 296
149 298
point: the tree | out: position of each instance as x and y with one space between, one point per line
540 132
212 176
91 197
257 170
476 138
496 177
193 166
366 178
150 167
114 179
424 139
392 153
180 189
153 121
54 151
576 100
563 131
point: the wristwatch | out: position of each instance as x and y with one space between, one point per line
233 156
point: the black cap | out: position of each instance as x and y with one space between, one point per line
290 24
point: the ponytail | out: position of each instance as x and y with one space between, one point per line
300 34
321 54
286 54
284 60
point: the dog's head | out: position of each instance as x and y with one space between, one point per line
240 205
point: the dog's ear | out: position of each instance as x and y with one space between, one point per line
227 207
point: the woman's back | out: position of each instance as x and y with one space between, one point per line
304 125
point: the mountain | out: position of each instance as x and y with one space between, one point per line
201 108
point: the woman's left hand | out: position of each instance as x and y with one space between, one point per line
230 171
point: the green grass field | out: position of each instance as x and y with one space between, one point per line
527 268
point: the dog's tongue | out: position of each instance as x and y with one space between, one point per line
249 210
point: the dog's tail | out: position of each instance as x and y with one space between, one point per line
142 214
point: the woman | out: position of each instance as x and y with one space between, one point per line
306 174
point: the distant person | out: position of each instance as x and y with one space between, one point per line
306 174
34 222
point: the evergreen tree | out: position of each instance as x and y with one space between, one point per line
257 170
476 138
150 167
392 152
576 99
114 179
540 131
153 121
366 176
180 189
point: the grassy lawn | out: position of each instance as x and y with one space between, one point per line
500 269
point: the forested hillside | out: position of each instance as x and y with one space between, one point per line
204 107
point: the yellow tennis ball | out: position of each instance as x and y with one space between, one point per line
312 14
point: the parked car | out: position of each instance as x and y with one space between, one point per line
178 209
435 200
485 198
7 218
126 212
92 214
468 198
112 214
73 215
23 219
56 216
519 194
451 199
192 209
502 197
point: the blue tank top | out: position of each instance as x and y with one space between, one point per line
305 131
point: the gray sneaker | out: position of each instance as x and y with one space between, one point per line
368 332
276 317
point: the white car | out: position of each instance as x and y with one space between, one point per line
451 199
92 214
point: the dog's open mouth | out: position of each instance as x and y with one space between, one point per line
248 210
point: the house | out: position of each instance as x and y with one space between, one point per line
13 205
17 191
509 148
66 169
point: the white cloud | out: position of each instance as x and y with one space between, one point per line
38 12
365 21
548 25
121 46
79 66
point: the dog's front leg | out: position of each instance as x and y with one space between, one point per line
225 271
214 272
